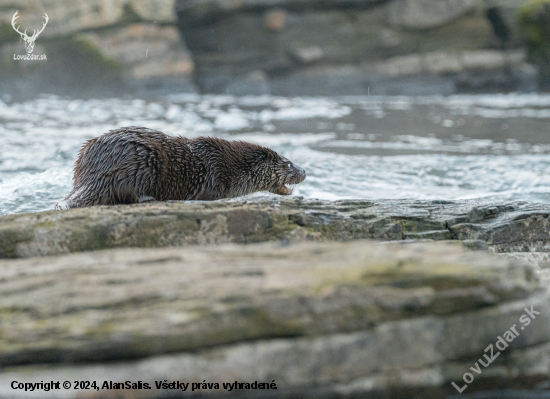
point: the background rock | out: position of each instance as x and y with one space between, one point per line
165 56
295 46
425 14
66 18
313 44
95 49
535 18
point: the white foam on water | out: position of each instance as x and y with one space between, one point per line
40 141
30 192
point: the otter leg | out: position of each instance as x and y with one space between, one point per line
64 205
145 198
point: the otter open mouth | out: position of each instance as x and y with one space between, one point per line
283 190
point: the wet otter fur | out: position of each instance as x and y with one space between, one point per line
137 164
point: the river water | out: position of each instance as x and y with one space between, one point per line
463 146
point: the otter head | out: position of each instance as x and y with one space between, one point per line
239 168
276 173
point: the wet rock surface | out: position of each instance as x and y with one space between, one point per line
318 319
503 227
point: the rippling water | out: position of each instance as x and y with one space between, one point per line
491 146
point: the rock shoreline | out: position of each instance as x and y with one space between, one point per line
233 290
501 226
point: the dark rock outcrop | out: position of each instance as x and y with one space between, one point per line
343 47
279 47
535 22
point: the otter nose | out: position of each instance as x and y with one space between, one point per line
302 173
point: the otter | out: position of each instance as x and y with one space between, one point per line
136 164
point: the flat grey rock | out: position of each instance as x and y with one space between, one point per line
320 320
501 226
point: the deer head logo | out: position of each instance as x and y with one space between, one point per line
29 40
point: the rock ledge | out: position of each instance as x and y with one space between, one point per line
503 226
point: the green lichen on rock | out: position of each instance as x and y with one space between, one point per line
129 15
535 20
10 236
7 34
91 53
